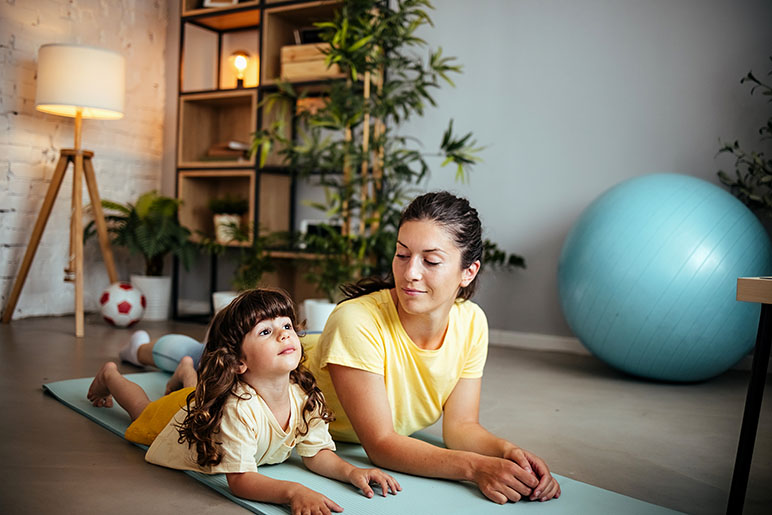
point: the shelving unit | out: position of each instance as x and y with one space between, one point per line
217 111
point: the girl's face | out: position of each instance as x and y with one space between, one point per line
271 349
427 268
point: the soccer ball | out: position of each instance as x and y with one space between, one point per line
122 304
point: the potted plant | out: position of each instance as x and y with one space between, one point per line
353 145
752 183
227 210
150 227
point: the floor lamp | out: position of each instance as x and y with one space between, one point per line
78 82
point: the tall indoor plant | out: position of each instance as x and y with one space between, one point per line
352 145
150 227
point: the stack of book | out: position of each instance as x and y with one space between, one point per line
227 151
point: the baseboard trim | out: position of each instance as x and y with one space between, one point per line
540 342
568 344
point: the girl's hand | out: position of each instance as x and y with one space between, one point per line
548 487
304 501
361 478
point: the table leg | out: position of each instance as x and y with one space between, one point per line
742 465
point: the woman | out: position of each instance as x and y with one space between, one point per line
397 355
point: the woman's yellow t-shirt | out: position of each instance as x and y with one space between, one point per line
365 333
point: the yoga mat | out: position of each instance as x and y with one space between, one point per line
418 495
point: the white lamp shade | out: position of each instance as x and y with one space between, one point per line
73 77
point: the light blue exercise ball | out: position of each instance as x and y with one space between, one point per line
648 277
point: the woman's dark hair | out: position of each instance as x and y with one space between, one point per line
218 372
457 217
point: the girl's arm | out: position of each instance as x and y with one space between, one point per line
461 430
363 397
257 487
329 464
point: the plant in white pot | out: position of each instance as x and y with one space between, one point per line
227 211
150 227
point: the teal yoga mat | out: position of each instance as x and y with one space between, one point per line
418 495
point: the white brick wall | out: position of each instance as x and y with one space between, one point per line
127 152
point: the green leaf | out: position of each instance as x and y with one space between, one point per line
359 44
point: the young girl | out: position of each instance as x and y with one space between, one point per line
253 403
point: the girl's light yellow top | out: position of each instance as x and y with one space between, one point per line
249 434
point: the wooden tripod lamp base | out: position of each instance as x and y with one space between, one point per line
83 167
79 82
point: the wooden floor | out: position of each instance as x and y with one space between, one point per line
672 445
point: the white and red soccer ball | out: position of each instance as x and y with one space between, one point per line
122 304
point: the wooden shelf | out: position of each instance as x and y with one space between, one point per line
197 187
294 254
275 203
208 47
280 24
207 119
241 14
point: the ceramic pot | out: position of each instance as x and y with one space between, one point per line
223 227
317 311
158 295
220 299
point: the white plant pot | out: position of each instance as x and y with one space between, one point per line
223 227
158 295
317 311
220 299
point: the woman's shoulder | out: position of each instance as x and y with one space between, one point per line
357 321
367 307
469 310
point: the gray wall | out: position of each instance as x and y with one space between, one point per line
571 98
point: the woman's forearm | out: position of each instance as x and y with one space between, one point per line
473 437
413 456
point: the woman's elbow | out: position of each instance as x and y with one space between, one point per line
378 449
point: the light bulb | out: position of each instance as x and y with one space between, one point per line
240 60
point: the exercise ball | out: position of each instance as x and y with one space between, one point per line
647 277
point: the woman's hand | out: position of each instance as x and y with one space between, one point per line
362 478
304 501
548 487
503 480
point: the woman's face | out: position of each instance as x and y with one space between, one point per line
427 268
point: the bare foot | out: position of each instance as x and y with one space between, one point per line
98 393
184 376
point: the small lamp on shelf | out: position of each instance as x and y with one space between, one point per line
240 59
